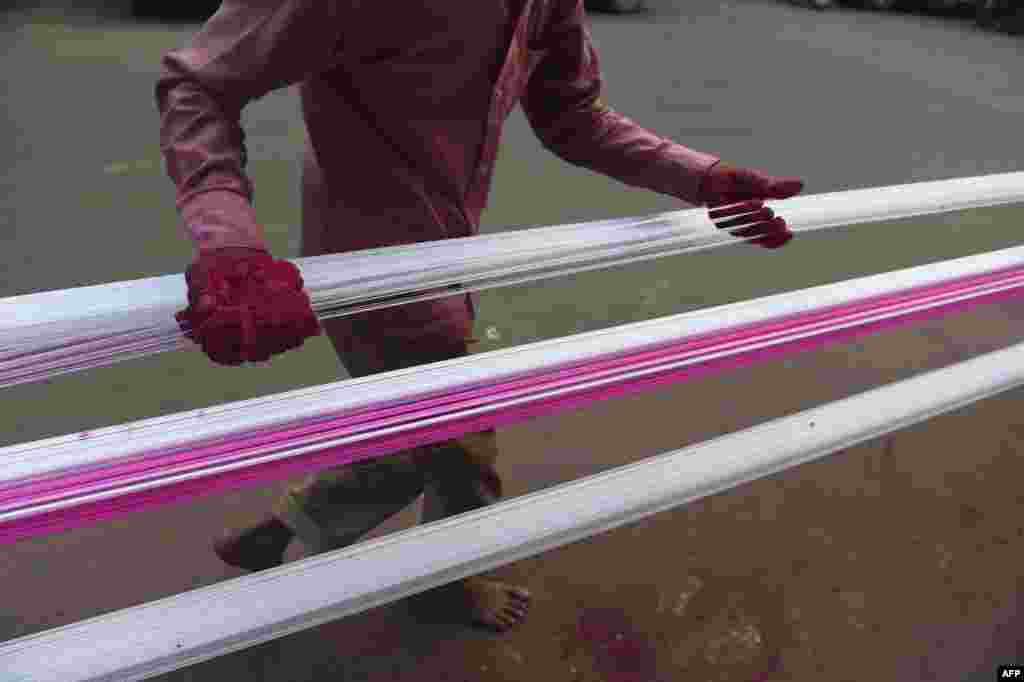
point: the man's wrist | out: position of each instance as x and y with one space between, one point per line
219 219
707 192
692 170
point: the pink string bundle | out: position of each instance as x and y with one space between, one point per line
74 498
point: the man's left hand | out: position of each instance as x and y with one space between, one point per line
736 199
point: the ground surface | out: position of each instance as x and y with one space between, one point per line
895 560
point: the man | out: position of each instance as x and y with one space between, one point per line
404 104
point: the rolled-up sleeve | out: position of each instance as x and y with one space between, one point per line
246 50
563 103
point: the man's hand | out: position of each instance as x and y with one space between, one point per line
245 306
739 194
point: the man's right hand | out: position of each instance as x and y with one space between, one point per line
245 306
739 194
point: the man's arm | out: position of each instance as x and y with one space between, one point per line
243 304
563 105
247 49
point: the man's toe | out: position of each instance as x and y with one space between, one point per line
520 594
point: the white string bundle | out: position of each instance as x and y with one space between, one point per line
47 334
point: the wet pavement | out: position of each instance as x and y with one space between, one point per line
897 559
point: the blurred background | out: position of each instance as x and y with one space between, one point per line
1003 15
894 560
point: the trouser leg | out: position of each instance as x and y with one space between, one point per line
461 476
334 508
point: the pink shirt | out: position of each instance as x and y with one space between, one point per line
404 103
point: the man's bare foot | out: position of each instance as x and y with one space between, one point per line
256 548
495 604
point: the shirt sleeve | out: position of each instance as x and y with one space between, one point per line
244 51
563 103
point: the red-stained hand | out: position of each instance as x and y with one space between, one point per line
246 306
736 199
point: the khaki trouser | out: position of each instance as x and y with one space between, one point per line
336 507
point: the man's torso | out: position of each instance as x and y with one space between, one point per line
404 126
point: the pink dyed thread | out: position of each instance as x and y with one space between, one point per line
199 456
